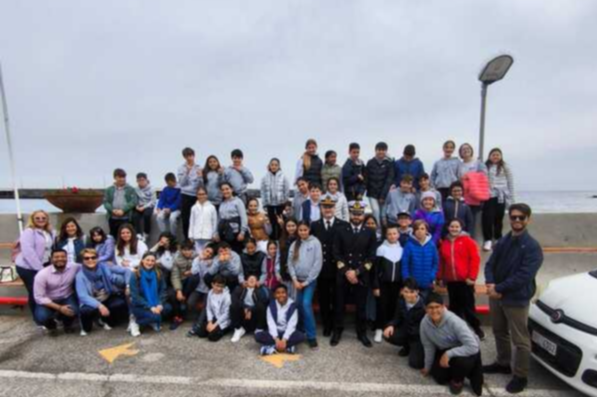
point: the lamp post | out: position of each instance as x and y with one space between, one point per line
495 70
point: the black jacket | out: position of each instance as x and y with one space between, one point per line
354 188
459 210
408 319
355 251
260 297
326 238
313 174
379 177
252 264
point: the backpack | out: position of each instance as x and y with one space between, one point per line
476 188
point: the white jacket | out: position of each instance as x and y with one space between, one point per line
204 221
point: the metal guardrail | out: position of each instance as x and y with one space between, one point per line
39 193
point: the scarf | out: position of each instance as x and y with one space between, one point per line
98 280
149 286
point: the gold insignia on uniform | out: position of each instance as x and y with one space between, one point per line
341 265
368 265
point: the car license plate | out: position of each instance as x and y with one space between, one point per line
545 343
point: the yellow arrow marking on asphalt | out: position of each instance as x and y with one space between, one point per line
278 360
111 354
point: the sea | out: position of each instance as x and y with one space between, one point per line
542 202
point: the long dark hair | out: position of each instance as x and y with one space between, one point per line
120 244
500 164
298 241
101 232
63 235
172 243
206 169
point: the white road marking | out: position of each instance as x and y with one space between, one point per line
265 384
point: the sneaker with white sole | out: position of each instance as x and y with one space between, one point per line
83 333
238 333
268 350
103 325
487 246
378 336
134 329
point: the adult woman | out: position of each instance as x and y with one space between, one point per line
233 224
71 239
148 295
275 193
501 184
213 176
310 165
36 246
471 165
129 250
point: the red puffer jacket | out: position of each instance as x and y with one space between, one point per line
459 259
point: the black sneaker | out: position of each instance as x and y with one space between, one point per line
192 333
456 387
364 340
313 343
516 385
496 368
404 352
176 321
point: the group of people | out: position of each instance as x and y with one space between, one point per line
239 269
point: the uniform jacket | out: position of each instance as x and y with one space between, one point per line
355 251
326 237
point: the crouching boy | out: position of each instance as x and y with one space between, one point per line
216 321
247 312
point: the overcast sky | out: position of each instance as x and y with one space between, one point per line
97 85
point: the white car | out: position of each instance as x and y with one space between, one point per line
563 325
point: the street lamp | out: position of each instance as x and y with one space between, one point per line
495 70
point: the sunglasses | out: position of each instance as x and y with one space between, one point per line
88 258
519 218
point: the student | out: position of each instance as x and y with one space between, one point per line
216 323
247 311
203 268
501 183
103 244
289 236
330 170
353 174
190 178
129 250
309 165
238 176
445 170
310 211
469 163
204 221
408 165
184 283
379 175
259 226
451 349
371 223
233 224
419 258
459 266
403 328
146 201
387 279
432 216
168 209
99 297
165 251
275 193
71 239
341 206
149 295
456 208
281 335
399 200
213 176
270 267
425 186
300 196
120 200
473 174
304 265
404 227
252 260
228 265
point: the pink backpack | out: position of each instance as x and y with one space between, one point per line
476 188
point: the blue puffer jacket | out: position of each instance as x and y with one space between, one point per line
420 261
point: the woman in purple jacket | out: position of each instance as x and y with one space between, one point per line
35 248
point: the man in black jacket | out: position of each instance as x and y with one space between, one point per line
379 177
325 230
354 253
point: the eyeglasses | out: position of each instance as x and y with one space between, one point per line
88 258
518 218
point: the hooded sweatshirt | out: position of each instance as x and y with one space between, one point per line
213 180
231 268
307 267
434 218
388 262
218 308
397 202
203 267
146 196
189 180
452 334
420 261
445 172
459 259
238 179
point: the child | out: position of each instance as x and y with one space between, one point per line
103 245
190 178
459 268
165 252
119 201
309 165
145 206
408 165
387 279
304 264
432 216
353 174
456 208
333 191
216 322
252 260
300 196
425 186
233 224
371 223
204 270
403 328
228 265
270 268
281 335
259 226
310 210
247 312
275 193
399 200
419 258
213 176
184 283
204 221
379 175
129 250
473 174
330 170
404 223
71 239
445 170
238 176
168 208
289 236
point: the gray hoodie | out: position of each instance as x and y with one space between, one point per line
212 184
445 172
218 308
147 197
308 265
396 202
189 180
238 179
203 267
452 334
230 268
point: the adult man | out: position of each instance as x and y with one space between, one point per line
190 178
354 252
510 277
55 294
325 230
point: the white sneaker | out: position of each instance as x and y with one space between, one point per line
104 325
83 333
487 246
134 329
238 333
378 336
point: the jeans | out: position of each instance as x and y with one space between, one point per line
28 276
264 338
46 316
376 210
304 302
142 221
118 313
146 316
168 222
